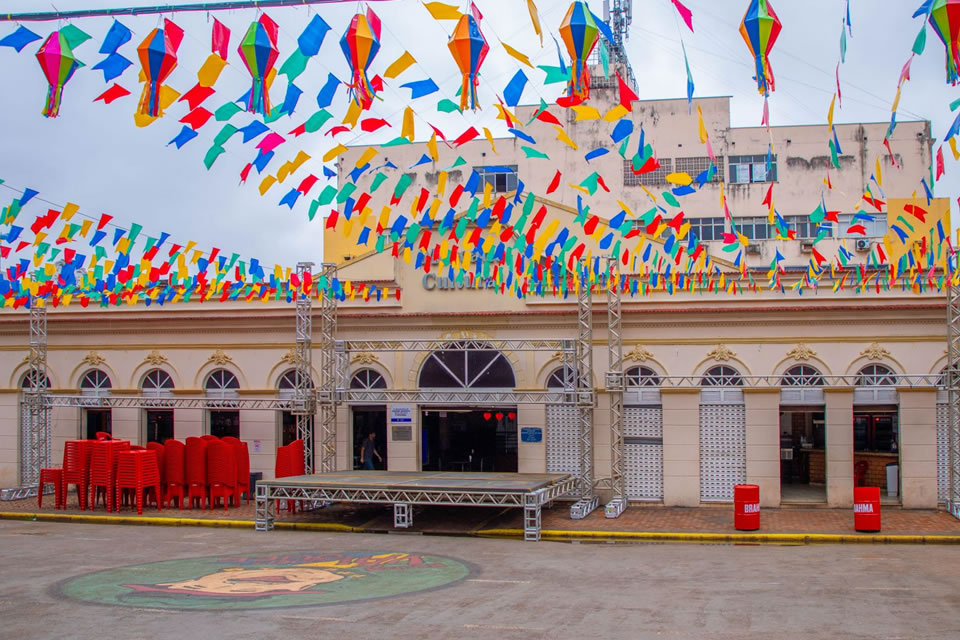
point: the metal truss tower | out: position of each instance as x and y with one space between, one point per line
619 15
615 384
330 373
953 398
304 398
585 395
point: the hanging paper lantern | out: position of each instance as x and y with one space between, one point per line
579 32
360 44
760 28
58 64
469 48
258 48
158 57
945 20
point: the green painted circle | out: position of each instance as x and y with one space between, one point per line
266 580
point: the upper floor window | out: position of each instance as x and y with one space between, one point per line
289 380
747 169
221 380
802 375
27 381
876 375
501 178
465 367
722 376
707 229
367 379
95 381
694 166
753 228
642 377
650 179
807 230
875 228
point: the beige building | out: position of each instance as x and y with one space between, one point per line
804 395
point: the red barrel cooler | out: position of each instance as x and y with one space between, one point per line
866 508
746 503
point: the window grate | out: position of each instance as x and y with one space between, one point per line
694 166
652 179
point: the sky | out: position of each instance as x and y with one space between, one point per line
95 156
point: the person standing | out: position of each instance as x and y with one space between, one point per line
368 451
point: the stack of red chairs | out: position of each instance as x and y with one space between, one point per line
242 455
290 463
76 470
103 468
221 472
54 476
196 470
174 472
160 450
138 470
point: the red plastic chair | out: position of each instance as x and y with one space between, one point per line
76 470
174 472
54 476
196 470
103 435
159 448
209 437
242 455
103 469
290 463
221 472
138 470
860 473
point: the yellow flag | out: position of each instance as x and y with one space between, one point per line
504 114
85 227
953 148
68 211
833 102
535 19
399 65
522 57
407 129
487 194
353 113
384 221
489 136
616 113
441 11
432 147
896 99
441 183
210 71
681 178
878 176
365 157
564 138
266 183
585 112
333 153
299 160
284 171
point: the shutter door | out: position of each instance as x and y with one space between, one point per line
563 439
943 453
723 450
643 452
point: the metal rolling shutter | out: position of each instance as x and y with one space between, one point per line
943 453
643 452
563 439
723 450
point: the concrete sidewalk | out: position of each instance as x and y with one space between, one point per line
706 523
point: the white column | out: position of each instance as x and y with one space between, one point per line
532 456
681 447
763 443
10 439
403 455
918 448
839 437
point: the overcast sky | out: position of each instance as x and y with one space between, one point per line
93 154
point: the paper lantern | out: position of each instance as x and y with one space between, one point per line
58 63
469 48
258 49
945 20
760 28
360 44
579 32
158 59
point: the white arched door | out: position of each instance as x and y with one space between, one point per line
643 435
723 434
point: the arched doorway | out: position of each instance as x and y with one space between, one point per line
943 438
723 434
463 437
562 431
803 442
159 423
95 383
286 390
221 384
369 418
876 431
643 435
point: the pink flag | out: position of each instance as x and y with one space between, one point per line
221 39
685 13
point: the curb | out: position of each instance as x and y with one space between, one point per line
546 534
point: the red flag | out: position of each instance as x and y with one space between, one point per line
685 13
332 219
940 171
372 124
196 95
627 96
111 94
104 219
466 136
769 197
196 118
857 228
546 116
299 130
245 172
476 12
334 131
554 183
221 39
307 184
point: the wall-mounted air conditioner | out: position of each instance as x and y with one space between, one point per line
862 244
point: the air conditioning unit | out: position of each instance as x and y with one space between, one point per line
863 244
753 249
806 246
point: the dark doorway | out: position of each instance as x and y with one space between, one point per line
803 460
98 420
469 440
288 429
367 420
159 425
876 450
225 423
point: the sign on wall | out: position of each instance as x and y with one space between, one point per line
531 434
401 423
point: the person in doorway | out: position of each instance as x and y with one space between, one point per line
369 450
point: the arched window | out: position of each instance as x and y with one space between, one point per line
95 381
642 377
367 379
801 375
555 380
463 367
221 380
26 382
157 381
876 375
722 376
289 380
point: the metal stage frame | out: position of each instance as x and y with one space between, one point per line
952 383
404 498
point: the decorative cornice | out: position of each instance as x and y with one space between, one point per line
156 358
875 352
639 354
290 357
218 357
801 352
364 358
722 353
93 359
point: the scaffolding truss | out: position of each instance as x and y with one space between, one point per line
586 399
330 362
304 397
615 383
952 382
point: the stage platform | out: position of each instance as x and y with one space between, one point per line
404 489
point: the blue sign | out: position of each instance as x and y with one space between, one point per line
531 434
